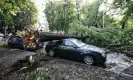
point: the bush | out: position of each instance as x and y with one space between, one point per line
3 43
101 36
128 36
37 75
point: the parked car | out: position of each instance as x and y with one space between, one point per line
75 49
18 41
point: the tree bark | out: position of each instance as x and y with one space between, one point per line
124 23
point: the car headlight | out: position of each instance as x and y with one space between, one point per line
104 53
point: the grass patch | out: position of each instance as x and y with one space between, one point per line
38 75
3 43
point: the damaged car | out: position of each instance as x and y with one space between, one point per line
75 49
16 41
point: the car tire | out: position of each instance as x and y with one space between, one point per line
89 60
51 53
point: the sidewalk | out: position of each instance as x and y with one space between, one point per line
9 56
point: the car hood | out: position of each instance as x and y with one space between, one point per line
92 48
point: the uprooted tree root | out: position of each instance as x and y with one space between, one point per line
25 65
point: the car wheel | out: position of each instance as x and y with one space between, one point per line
51 53
89 60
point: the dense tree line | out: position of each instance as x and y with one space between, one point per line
84 19
18 13
60 14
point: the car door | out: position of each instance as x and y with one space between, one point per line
58 48
17 41
70 50
20 41
12 40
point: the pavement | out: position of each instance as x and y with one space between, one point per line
9 56
128 71
120 64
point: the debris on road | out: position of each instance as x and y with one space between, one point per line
50 68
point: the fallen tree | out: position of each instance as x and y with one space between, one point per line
46 36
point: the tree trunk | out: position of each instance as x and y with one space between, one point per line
46 36
124 23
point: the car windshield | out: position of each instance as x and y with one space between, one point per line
78 43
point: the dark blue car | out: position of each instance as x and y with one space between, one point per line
18 42
75 49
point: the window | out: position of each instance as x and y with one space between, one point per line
69 43
15 39
78 42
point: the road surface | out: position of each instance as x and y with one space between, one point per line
10 56
119 67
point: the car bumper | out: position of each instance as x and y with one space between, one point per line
101 59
